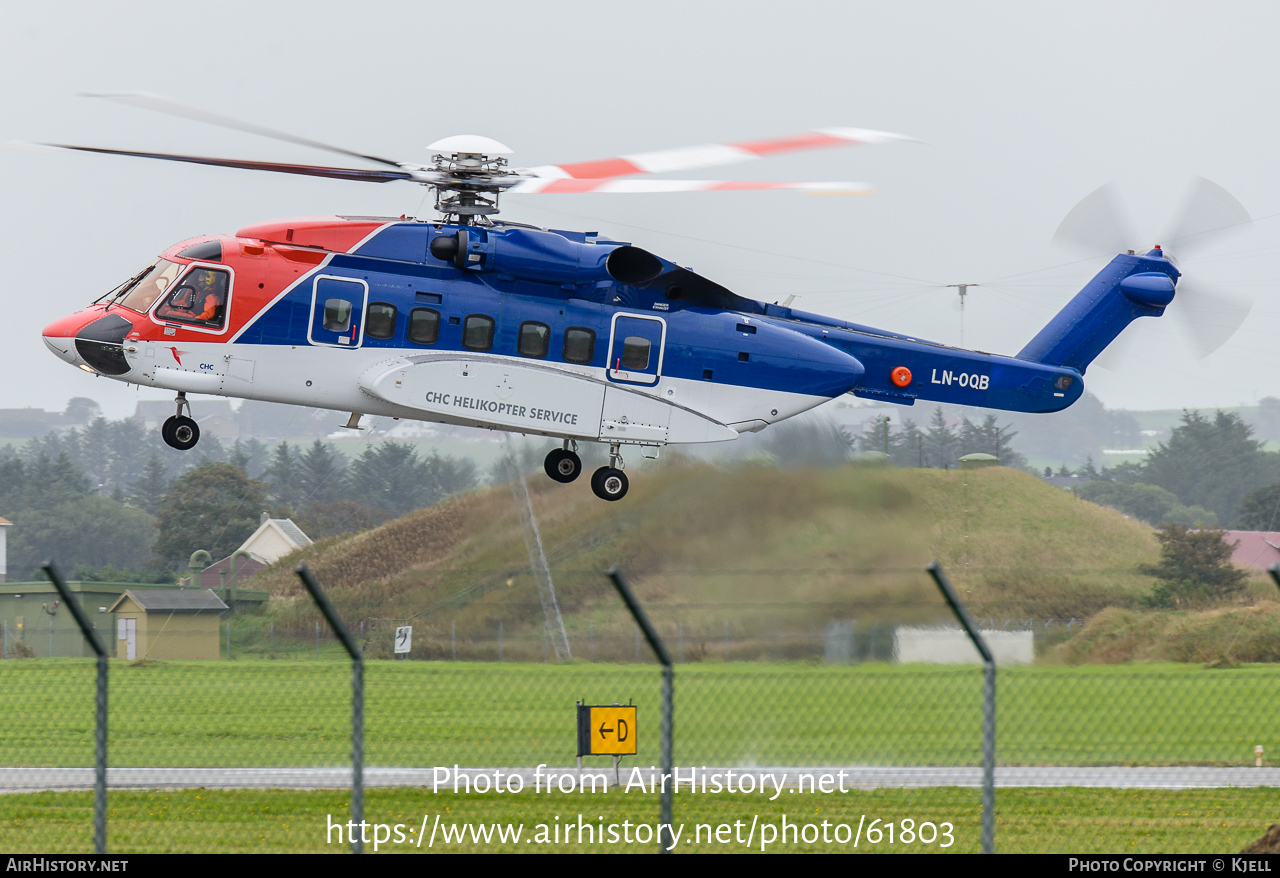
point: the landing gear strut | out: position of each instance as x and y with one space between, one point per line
563 464
181 431
610 482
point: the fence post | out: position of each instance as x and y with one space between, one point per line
357 701
100 719
668 702
988 708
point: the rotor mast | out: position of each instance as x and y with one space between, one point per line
471 175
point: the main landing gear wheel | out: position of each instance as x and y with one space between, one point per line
563 465
180 432
609 483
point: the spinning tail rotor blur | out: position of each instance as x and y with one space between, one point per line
1205 314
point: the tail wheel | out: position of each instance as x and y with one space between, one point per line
563 465
609 484
180 432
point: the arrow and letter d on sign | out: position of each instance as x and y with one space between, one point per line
612 730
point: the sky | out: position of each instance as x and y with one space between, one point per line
1022 109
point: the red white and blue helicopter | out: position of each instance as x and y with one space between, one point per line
479 322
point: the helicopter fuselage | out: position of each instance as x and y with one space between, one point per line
554 333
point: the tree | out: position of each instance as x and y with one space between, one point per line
282 475
878 437
1260 510
909 448
82 410
88 530
250 456
147 491
810 442
1212 463
1087 427
1089 469
1267 420
941 446
389 476
213 507
1149 503
1195 568
450 475
989 437
321 474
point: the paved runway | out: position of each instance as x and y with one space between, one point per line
21 780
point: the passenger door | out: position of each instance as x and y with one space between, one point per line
337 312
636 345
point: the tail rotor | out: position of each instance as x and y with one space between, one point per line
1205 314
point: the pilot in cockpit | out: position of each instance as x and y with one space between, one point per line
200 298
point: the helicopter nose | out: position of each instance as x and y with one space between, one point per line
60 336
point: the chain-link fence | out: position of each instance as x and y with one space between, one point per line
797 726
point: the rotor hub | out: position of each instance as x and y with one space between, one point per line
469 185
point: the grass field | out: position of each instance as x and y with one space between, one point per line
276 713
1028 821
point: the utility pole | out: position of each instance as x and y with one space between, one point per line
962 289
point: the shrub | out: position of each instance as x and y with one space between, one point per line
1195 568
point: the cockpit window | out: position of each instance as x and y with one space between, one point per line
200 299
151 286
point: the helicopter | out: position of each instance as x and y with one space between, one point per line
471 320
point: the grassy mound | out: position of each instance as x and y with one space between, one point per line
778 547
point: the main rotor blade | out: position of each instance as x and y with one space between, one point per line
361 174
1208 213
712 154
539 186
171 107
1097 224
1207 315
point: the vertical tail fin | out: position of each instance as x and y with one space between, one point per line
1129 287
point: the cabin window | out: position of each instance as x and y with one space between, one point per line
337 315
534 341
380 320
635 352
151 286
579 345
199 299
424 326
477 332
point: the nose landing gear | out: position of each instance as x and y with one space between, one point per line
610 482
563 464
181 431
